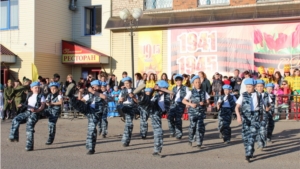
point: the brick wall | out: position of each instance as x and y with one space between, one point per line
118 5
186 4
241 2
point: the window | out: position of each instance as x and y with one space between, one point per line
93 20
158 4
9 14
213 2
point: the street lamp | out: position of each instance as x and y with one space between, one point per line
132 20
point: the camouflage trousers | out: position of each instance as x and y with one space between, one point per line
93 120
197 128
157 131
271 126
129 112
174 119
30 119
224 123
143 122
52 115
262 133
250 128
103 123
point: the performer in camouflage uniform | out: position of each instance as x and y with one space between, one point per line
144 115
271 123
103 123
34 104
90 105
265 102
196 100
226 105
53 101
250 117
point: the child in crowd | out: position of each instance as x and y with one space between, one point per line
226 81
116 94
237 85
296 85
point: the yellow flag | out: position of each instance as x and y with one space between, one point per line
35 73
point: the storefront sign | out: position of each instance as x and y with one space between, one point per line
77 54
223 49
150 53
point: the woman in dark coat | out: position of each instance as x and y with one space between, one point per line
205 83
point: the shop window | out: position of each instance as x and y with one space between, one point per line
158 4
93 20
9 14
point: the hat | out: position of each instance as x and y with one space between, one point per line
56 75
261 70
95 83
162 84
34 84
126 79
270 85
228 87
271 70
103 84
54 84
260 81
194 78
249 81
287 68
178 76
148 90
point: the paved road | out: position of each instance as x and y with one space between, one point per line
68 150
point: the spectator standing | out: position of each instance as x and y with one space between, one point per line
44 88
172 83
278 78
217 88
151 82
121 84
1 102
236 75
145 77
69 80
88 81
138 80
226 81
205 83
112 81
47 80
9 106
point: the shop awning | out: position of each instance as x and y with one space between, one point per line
206 16
74 53
7 56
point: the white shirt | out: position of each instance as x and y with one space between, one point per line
161 102
189 95
32 100
129 100
87 97
254 106
226 102
243 87
177 98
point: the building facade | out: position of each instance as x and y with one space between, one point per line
34 32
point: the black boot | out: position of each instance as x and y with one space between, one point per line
28 149
90 152
49 142
156 155
247 159
190 144
125 145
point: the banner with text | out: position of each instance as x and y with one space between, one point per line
150 53
223 49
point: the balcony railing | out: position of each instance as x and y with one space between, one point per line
158 4
213 2
266 1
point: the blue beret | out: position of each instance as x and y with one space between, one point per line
178 76
95 83
126 79
227 87
162 84
259 81
250 81
54 84
103 84
148 90
35 84
270 85
194 78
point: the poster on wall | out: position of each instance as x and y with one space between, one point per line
223 49
150 52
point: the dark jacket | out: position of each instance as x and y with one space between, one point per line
217 85
205 86
121 84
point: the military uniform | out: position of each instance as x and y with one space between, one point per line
20 95
103 123
225 116
31 118
176 111
93 109
250 120
129 108
271 123
52 112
